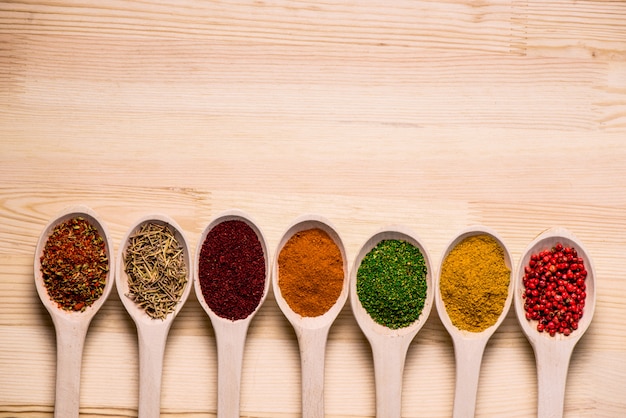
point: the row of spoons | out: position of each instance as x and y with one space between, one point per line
389 346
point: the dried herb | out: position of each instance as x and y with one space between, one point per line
155 265
391 283
74 264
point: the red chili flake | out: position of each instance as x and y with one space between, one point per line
554 289
231 270
74 264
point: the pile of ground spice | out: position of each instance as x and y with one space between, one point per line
474 283
310 272
232 270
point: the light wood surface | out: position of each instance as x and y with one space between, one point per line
435 115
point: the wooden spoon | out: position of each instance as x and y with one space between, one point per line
71 327
312 332
469 346
553 354
389 346
230 336
152 333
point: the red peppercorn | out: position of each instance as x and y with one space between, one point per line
555 289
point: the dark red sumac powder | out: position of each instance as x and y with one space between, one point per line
231 270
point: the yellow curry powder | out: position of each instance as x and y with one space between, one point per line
474 283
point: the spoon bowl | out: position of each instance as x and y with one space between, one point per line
389 346
152 333
71 327
553 353
312 332
469 346
230 335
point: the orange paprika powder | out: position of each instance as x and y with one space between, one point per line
310 272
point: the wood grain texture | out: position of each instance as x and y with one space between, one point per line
431 114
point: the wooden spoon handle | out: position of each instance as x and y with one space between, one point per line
70 342
389 357
469 355
552 367
151 350
230 341
312 344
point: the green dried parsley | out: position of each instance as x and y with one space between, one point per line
391 283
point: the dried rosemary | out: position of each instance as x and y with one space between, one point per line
155 265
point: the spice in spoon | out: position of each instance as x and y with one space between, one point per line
74 264
474 283
231 270
555 289
155 265
310 272
391 283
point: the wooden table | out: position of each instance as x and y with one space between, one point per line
431 115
